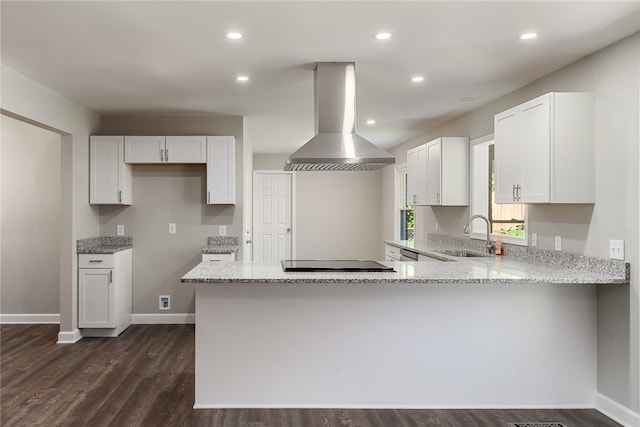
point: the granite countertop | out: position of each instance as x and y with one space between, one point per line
221 245
482 270
104 244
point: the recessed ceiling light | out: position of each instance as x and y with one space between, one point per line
234 35
383 36
528 36
417 79
242 78
371 122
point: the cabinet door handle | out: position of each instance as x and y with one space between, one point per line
438 197
110 276
162 155
513 192
518 192
414 198
208 196
120 196
95 260
166 155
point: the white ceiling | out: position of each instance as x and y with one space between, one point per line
150 57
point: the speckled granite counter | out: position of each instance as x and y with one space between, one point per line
104 244
538 261
490 270
221 245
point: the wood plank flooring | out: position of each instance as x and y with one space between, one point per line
145 377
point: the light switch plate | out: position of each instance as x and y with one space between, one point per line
222 230
558 243
616 249
534 239
172 228
120 230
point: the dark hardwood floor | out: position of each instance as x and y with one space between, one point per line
145 377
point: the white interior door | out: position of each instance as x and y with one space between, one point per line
272 216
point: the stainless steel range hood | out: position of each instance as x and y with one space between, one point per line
336 146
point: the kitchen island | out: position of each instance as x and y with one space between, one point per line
483 332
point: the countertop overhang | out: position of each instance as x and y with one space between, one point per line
490 270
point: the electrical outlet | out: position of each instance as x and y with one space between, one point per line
222 230
172 228
164 302
120 230
616 249
558 243
534 239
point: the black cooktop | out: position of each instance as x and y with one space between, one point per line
334 265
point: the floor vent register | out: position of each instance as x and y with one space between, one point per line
537 425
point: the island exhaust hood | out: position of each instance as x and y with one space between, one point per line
336 146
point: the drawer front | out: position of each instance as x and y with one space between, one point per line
218 257
96 261
392 252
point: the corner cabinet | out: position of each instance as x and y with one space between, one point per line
104 293
544 150
438 173
448 172
110 178
221 170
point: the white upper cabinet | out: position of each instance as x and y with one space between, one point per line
438 172
110 179
417 175
544 150
448 171
186 149
144 149
169 149
221 170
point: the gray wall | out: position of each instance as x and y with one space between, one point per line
612 74
171 193
33 103
337 213
30 219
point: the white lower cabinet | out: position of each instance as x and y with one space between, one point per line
391 253
104 293
219 257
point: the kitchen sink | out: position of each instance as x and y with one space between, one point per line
460 253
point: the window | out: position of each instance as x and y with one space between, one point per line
508 220
404 223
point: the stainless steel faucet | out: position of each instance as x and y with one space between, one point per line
489 247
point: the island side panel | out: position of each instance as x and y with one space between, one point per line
395 345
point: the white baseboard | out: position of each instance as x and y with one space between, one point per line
617 412
163 319
29 318
69 337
